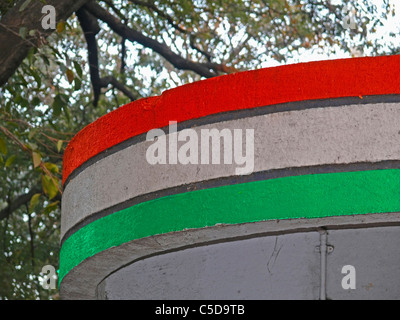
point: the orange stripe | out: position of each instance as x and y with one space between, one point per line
244 90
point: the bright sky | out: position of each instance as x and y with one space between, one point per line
391 25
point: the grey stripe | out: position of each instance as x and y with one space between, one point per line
237 114
307 138
257 176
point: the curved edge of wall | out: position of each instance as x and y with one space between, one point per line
355 77
117 209
87 280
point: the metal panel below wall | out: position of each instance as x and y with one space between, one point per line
286 266
277 267
375 255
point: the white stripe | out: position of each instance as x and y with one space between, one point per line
331 135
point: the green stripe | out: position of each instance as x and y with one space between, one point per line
307 196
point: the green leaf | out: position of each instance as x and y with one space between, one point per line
8 106
23 31
51 207
78 84
66 112
37 78
37 159
10 160
59 145
78 69
24 5
49 187
31 52
3 146
12 124
63 68
61 26
70 75
24 103
35 101
31 145
46 60
32 133
34 202
57 105
61 103
52 167
45 184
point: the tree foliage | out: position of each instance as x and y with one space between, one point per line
106 53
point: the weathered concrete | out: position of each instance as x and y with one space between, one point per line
85 280
285 266
319 80
324 191
322 136
273 267
375 255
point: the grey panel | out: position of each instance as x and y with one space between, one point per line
275 267
375 255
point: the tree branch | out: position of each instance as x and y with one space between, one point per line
31 235
105 81
123 56
30 152
208 56
160 13
19 201
134 36
220 67
90 28
13 47
176 26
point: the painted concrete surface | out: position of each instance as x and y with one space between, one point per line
301 196
332 135
375 255
276 267
285 258
85 281
328 79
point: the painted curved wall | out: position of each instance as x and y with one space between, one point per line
325 161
